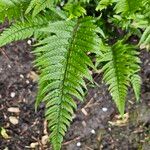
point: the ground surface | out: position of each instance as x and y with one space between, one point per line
96 125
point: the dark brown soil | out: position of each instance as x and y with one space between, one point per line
95 125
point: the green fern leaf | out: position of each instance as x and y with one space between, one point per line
63 61
145 39
136 84
39 5
120 62
22 30
75 10
103 4
127 6
12 9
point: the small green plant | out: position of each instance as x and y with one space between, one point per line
66 33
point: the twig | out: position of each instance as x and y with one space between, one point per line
89 103
89 148
4 53
75 139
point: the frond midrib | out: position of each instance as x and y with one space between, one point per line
116 71
66 72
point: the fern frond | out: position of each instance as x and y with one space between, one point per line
22 30
75 10
11 9
63 61
121 62
39 5
127 6
145 39
136 84
103 4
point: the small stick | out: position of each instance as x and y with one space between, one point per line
89 103
75 139
89 148
4 53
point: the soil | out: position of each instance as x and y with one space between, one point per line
96 124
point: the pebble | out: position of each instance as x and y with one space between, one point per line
13 120
78 144
21 76
104 109
12 94
93 131
44 139
29 42
27 81
14 109
9 66
33 76
33 145
84 123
